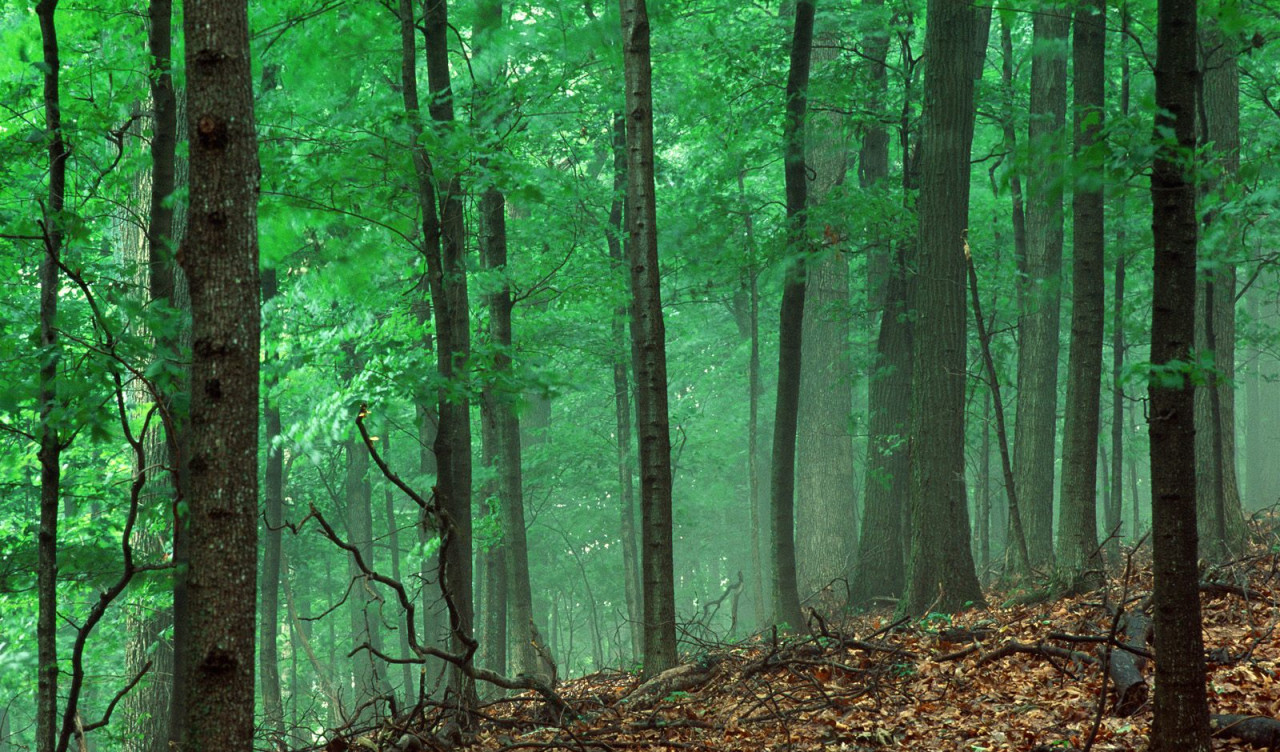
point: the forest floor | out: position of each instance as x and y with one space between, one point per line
1008 676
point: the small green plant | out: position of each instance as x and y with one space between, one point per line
678 694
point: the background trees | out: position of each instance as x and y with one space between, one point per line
392 158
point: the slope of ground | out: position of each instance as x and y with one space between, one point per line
1006 677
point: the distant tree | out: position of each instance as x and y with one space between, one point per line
220 258
1079 558
940 571
648 338
791 326
1180 717
1221 517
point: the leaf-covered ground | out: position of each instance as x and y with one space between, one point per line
1005 677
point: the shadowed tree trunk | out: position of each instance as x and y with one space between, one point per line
50 450
220 258
1080 564
790 327
1180 714
269 618
649 353
940 572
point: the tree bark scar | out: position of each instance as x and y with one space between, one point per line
211 131
219 661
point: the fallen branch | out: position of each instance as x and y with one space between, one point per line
1254 730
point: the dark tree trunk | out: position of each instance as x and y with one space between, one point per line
362 601
940 572
1039 323
220 258
50 451
649 353
622 400
1180 717
790 328
1080 564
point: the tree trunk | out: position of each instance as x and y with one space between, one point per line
940 572
1038 323
269 618
362 602
1180 717
1220 514
50 451
622 401
825 501
648 349
220 257
1080 564
790 328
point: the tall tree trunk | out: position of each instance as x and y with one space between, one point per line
1180 717
825 501
633 591
1220 514
790 326
649 352
882 546
1080 564
363 603
220 257
269 582
940 572
50 451
1118 343
1038 323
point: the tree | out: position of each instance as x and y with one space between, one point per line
50 452
1221 518
648 338
220 258
1038 321
1180 717
940 572
826 498
1079 561
791 327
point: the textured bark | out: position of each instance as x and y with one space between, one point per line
1220 514
1180 716
1080 564
220 258
826 500
649 353
269 577
622 401
873 154
1038 321
790 327
940 572
50 451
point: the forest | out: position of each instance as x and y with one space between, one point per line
685 374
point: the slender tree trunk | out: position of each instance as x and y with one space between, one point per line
1180 717
1039 323
50 451
648 348
940 572
269 618
393 543
220 257
1080 564
791 327
622 401
363 603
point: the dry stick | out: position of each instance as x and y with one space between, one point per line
984 338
